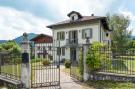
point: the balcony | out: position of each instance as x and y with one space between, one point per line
71 41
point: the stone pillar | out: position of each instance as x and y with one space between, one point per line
25 66
85 49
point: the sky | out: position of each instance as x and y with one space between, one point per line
32 16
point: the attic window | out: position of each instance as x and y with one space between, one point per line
74 15
73 18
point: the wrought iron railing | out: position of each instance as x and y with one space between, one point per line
71 41
115 60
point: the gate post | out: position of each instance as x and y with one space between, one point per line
85 49
25 66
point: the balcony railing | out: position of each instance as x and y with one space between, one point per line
71 41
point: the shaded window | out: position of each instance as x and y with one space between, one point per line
60 35
73 18
87 33
44 48
49 47
58 51
63 51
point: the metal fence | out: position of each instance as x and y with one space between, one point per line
76 64
10 65
45 67
115 62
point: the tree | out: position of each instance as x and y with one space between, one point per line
120 35
11 47
132 44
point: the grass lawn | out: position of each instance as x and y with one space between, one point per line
12 69
104 84
110 85
123 65
76 71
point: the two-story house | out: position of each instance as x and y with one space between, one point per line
42 46
73 33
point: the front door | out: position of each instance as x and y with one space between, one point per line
73 54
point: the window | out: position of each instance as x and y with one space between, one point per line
107 34
49 47
60 35
38 47
58 51
44 48
63 51
87 33
73 18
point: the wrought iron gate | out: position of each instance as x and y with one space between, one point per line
75 71
45 67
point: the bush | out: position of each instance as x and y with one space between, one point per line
46 62
95 59
67 64
36 60
17 60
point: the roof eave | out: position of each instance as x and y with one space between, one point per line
52 26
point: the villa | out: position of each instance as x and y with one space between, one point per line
74 32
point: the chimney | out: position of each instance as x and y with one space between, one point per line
92 14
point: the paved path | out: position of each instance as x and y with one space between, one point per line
68 83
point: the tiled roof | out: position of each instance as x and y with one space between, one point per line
84 18
40 35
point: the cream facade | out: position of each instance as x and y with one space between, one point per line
74 31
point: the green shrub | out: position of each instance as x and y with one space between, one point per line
67 64
46 62
36 60
17 60
96 59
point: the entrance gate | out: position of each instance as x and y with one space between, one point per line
45 68
76 63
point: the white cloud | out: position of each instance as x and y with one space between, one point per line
131 16
14 23
128 14
85 7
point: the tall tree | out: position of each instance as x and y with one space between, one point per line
120 35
